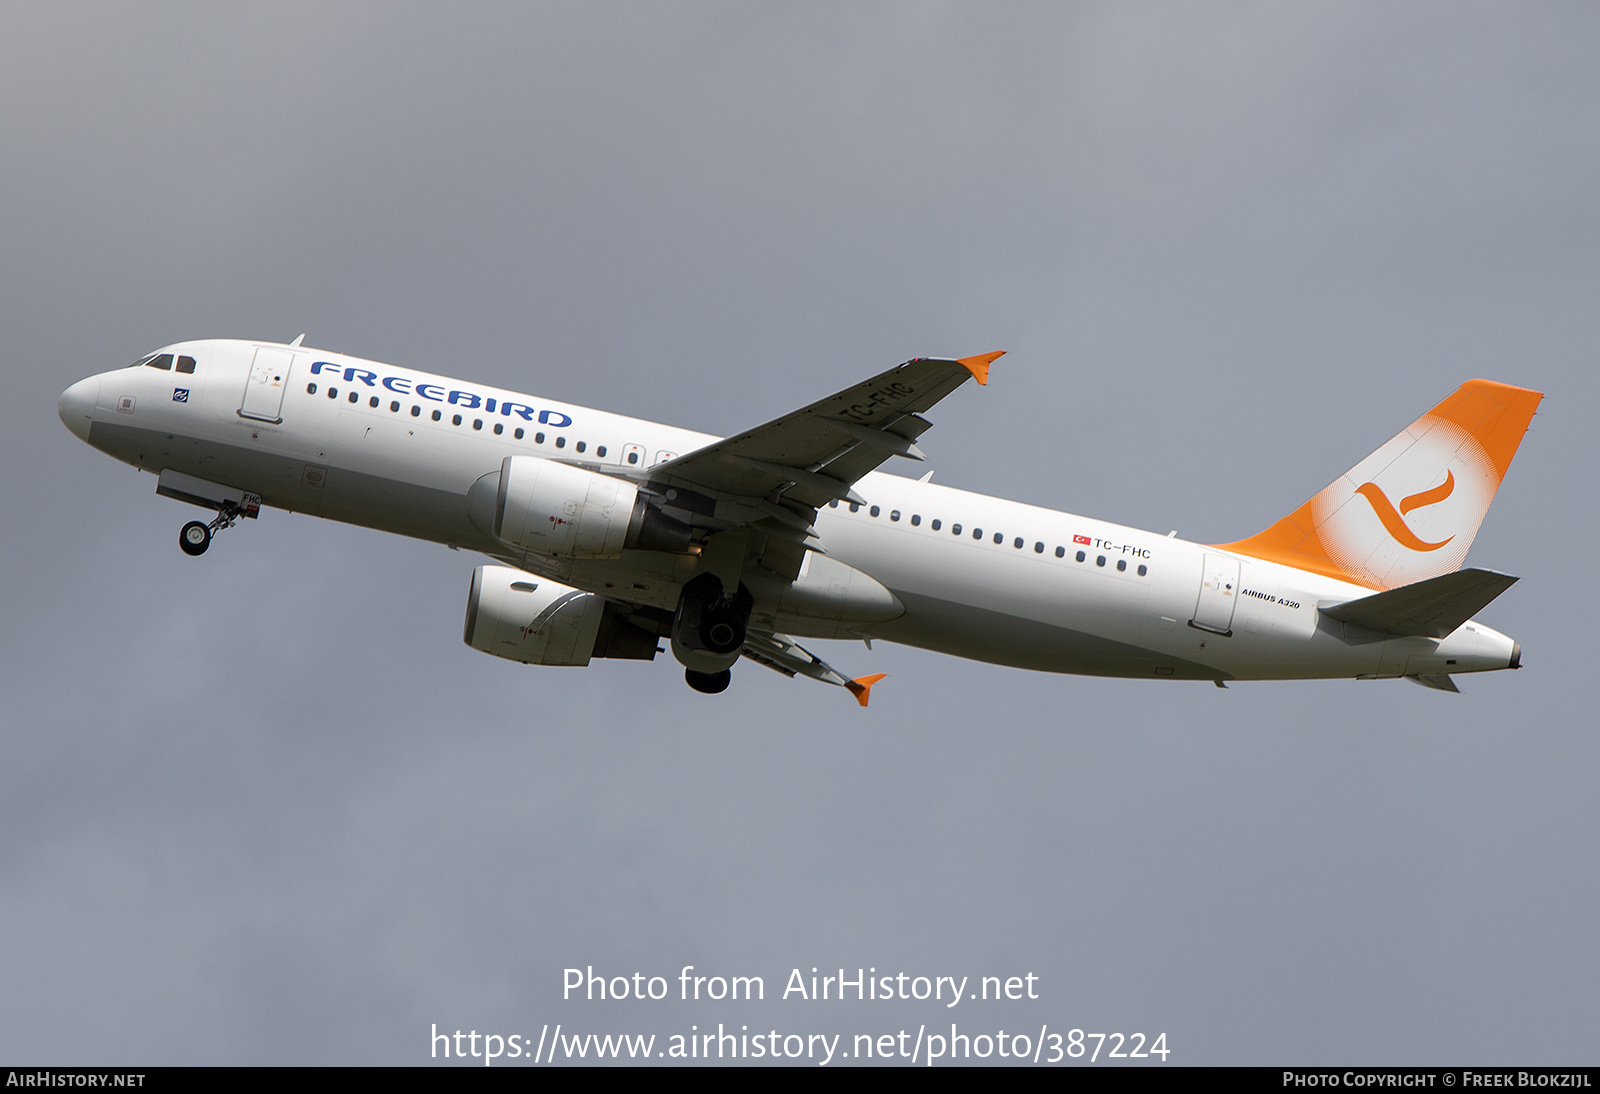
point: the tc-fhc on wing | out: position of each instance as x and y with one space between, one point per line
609 533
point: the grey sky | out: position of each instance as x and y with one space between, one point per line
264 806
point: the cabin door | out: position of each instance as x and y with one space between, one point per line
269 379
1219 592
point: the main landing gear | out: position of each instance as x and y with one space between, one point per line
195 537
708 632
710 683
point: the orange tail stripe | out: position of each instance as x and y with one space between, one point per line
1392 520
1428 497
1495 415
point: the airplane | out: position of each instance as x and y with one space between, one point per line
608 534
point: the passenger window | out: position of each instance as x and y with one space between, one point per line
538 438
1082 556
935 524
633 457
161 361
977 533
1122 564
185 364
1101 561
1038 548
333 393
580 446
601 452
373 402
455 419
518 433
916 519
436 415
854 507
1142 570
874 511
1061 552
955 529
477 423
998 538
894 514
561 442
355 397
311 389
499 428
416 412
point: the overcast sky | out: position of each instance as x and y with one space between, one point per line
265 807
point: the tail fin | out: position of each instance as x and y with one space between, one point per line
1442 472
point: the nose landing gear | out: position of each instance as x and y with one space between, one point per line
195 537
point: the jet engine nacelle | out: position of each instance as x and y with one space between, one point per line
531 619
523 617
555 509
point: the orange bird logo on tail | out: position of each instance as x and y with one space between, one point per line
1394 522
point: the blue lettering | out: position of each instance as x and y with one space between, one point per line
423 389
489 407
367 378
318 366
390 382
523 411
548 417
459 398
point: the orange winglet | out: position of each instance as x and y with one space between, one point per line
861 686
979 367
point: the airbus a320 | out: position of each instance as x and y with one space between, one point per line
610 534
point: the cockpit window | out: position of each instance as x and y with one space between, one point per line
145 360
161 360
185 364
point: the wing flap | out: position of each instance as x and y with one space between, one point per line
1439 681
1433 608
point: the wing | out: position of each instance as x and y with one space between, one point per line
816 454
783 654
757 493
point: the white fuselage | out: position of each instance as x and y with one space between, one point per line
980 577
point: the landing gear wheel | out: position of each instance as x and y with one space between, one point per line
722 630
195 538
711 683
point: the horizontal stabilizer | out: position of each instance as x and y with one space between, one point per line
1433 608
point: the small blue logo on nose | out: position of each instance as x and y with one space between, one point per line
180 395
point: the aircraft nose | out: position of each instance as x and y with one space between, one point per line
76 406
